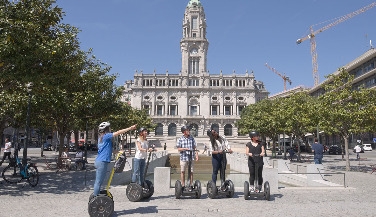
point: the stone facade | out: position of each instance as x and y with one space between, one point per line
193 96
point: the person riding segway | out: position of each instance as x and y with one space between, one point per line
255 152
101 202
219 148
187 147
141 188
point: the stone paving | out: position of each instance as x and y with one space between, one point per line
66 194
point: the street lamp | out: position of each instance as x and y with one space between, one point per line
29 87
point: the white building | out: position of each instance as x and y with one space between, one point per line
193 96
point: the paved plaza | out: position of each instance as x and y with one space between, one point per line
67 193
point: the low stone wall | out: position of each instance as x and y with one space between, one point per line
239 162
158 159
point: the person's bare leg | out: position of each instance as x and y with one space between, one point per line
182 178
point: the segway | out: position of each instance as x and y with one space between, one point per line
249 193
186 191
136 192
227 186
103 204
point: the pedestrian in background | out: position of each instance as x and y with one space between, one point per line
7 150
358 149
318 151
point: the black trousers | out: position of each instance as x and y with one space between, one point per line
252 173
6 154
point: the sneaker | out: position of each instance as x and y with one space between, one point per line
252 188
190 188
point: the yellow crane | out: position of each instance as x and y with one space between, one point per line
311 36
284 77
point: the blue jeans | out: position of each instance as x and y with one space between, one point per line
318 160
217 165
138 170
100 175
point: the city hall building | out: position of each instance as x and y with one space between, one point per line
193 96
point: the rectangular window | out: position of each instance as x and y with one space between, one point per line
214 110
161 82
193 66
194 82
159 109
214 83
194 23
173 82
193 110
227 110
240 109
173 110
147 107
227 83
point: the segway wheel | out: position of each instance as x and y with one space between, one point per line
198 189
267 190
134 192
230 189
101 205
178 189
150 189
103 192
211 189
246 190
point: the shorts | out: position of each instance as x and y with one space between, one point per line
184 165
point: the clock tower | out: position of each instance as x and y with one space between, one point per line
194 45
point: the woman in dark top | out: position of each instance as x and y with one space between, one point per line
255 152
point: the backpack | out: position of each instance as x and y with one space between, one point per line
120 162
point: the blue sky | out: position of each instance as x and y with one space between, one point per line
144 35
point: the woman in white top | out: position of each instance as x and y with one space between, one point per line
219 144
142 146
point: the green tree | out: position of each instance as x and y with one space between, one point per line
346 110
300 110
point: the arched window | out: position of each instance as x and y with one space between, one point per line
159 129
228 130
172 129
215 127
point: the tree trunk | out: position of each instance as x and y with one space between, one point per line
346 138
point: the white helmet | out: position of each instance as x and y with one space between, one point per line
103 125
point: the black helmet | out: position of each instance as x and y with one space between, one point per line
141 129
253 133
184 128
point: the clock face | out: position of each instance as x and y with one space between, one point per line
194 51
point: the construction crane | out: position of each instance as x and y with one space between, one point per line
284 77
313 34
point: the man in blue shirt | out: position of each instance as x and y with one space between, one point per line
185 145
318 150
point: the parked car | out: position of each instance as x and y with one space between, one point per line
335 149
367 147
47 147
361 149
